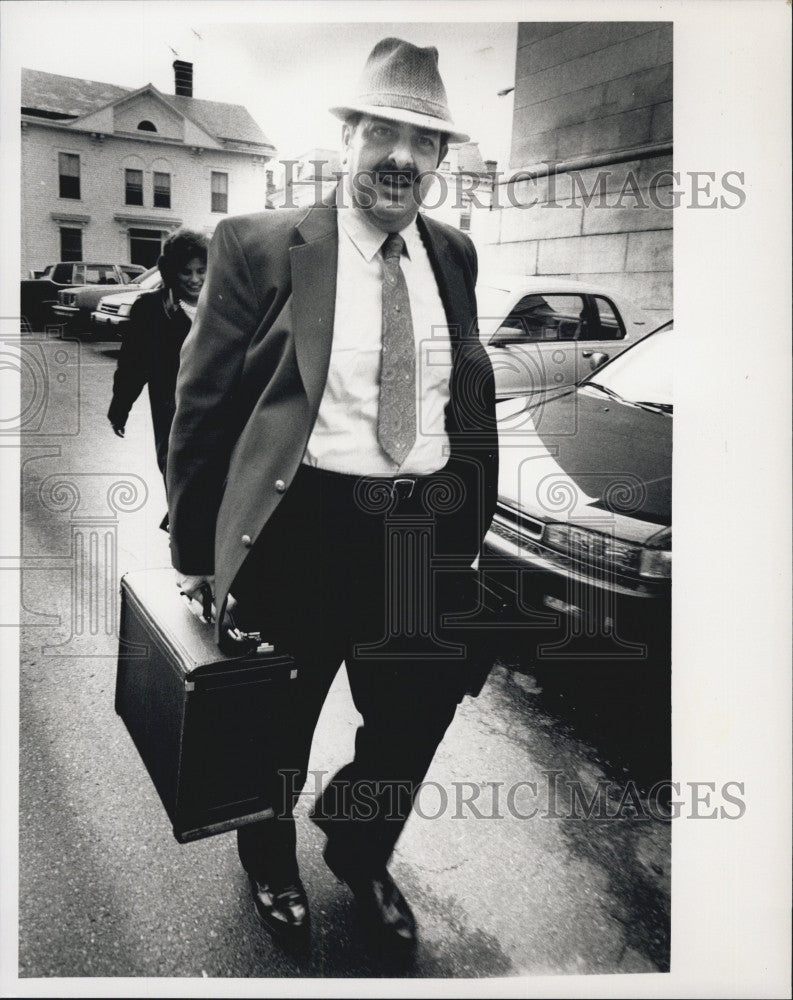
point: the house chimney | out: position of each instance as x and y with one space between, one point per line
183 78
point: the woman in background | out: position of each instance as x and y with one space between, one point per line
158 324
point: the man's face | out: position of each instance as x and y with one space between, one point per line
389 169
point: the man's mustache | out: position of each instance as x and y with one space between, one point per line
395 175
399 180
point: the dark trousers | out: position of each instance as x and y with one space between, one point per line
345 571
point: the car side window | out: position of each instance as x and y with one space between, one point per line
539 318
608 325
100 276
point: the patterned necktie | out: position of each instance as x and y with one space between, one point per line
396 421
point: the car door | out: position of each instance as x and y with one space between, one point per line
536 346
602 335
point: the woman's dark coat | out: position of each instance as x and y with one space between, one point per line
150 355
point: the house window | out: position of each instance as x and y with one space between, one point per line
146 126
71 243
68 175
145 246
162 190
133 187
220 192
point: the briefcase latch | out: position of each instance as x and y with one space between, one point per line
250 638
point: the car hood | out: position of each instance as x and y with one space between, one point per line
123 298
91 291
584 459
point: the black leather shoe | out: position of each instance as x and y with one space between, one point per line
385 914
283 911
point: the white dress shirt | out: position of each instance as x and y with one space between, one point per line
344 438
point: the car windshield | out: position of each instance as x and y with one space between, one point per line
641 375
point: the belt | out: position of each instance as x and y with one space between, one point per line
398 488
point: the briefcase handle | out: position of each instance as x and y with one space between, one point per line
233 641
206 603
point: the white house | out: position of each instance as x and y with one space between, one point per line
109 172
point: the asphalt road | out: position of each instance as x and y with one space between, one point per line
105 890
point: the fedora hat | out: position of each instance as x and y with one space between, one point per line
402 82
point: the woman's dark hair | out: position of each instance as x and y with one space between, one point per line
179 249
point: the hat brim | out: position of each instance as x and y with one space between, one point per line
400 115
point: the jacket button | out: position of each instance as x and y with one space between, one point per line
280 485
246 541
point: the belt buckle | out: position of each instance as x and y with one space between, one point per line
397 492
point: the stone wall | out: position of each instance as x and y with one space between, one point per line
592 129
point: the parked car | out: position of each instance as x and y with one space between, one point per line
546 333
112 311
38 296
75 305
581 543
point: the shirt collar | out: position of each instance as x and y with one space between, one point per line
412 240
368 239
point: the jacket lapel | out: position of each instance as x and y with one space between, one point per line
469 407
450 278
313 264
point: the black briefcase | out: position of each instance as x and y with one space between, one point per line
206 723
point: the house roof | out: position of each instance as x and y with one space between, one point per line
66 95
224 121
70 97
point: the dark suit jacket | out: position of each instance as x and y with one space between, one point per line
150 355
253 371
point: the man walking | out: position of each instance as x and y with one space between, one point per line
333 466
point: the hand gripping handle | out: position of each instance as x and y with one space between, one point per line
232 640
